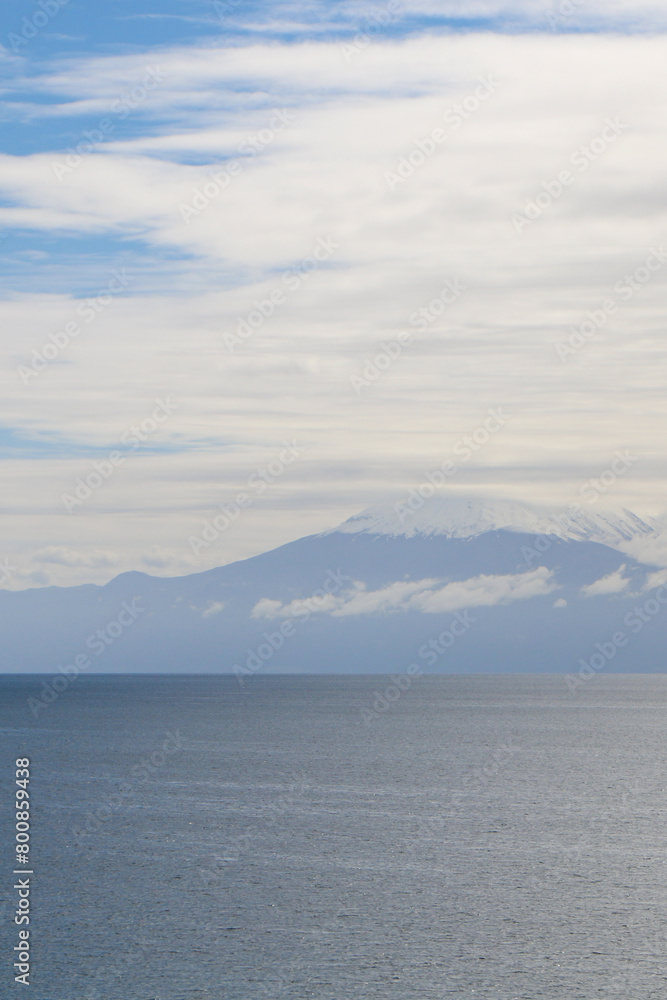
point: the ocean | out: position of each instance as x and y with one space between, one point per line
326 837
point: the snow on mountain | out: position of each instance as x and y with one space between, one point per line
455 517
496 586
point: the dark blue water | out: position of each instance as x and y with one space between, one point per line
480 837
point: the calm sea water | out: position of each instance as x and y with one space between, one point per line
486 838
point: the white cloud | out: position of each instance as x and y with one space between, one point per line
59 555
213 608
654 580
326 174
266 608
423 596
158 558
486 591
395 597
613 583
315 18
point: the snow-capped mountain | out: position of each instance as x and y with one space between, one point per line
451 586
467 518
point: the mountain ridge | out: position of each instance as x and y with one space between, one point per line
455 517
361 601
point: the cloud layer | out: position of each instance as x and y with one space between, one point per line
613 583
424 596
229 311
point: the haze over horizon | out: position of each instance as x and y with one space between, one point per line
317 258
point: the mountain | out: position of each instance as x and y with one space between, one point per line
459 518
444 585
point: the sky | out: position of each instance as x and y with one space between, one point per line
273 263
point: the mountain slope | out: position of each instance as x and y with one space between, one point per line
369 596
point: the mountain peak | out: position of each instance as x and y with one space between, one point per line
457 517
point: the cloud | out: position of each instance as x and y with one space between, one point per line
423 596
213 608
486 591
308 18
267 608
158 558
654 580
613 583
395 597
58 555
326 174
